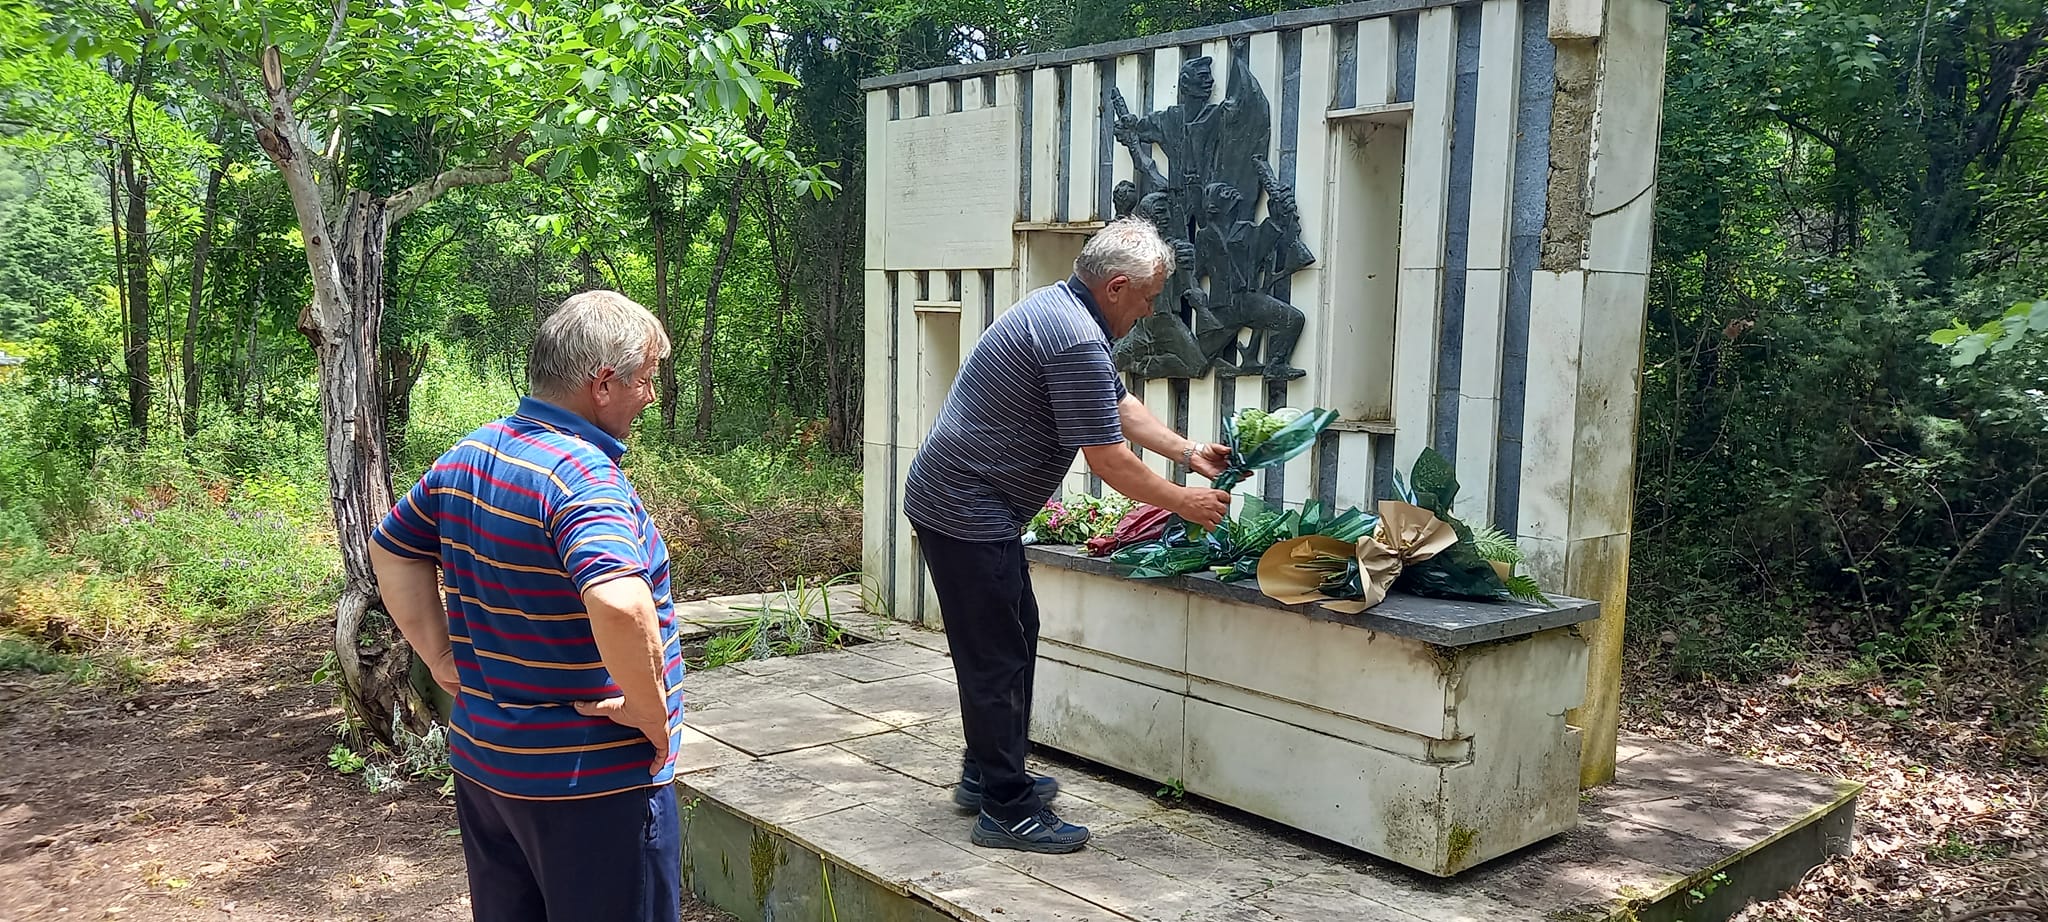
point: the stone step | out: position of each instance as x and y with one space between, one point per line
819 789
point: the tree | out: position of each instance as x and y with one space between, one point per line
552 88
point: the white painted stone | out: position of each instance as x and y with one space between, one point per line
906 362
1045 139
1084 108
1625 126
1114 721
973 302
877 192
877 508
877 400
1354 470
1130 619
947 202
1348 670
1493 137
1376 61
1361 274
1619 241
1556 315
1426 186
1478 437
1362 797
1576 19
1311 184
1380 738
1610 376
1416 326
907 599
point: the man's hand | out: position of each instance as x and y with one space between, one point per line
443 668
1209 460
1202 506
652 724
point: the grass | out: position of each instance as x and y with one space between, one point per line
112 564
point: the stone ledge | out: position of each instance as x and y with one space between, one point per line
1445 622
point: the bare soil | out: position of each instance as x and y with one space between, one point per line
1953 820
208 797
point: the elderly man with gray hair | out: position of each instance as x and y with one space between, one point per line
526 573
1038 388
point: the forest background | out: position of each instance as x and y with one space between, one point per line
1842 505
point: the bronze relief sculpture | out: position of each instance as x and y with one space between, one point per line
1231 269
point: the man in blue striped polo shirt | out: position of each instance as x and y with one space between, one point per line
526 573
1038 388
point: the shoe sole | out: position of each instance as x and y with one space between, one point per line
972 802
1004 840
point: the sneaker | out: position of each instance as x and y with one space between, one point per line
1043 833
967 794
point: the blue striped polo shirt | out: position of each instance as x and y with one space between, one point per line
522 516
1038 388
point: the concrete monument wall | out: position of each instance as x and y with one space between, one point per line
1474 181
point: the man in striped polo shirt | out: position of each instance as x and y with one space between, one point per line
557 638
1038 388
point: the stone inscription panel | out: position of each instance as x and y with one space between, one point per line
951 190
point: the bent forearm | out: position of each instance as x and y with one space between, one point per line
1124 473
1148 432
411 590
628 634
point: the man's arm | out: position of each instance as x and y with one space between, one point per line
411 589
627 629
1151 434
1124 473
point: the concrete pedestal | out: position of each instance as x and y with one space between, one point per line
1427 732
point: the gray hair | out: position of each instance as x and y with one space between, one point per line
589 333
1129 247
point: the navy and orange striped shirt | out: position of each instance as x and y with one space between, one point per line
522 516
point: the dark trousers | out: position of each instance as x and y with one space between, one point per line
615 858
984 590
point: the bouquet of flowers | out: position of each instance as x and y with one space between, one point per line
1415 545
1076 519
1258 439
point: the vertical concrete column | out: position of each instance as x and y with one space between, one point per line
1586 329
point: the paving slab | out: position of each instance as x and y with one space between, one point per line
857 666
700 752
904 653
766 793
837 770
898 702
934 765
1112 882
994 891
891 852
795 721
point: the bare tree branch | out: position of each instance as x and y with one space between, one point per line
312 73
414 197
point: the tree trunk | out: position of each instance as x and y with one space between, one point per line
201 248
707 346
135 344
657 214
344 325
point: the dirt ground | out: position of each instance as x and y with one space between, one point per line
209 797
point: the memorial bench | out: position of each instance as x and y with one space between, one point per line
1425 731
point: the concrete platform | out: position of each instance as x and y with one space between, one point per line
817 788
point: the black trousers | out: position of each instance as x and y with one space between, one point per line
615 858
991 618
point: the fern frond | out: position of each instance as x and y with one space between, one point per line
1495 545
1524 588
